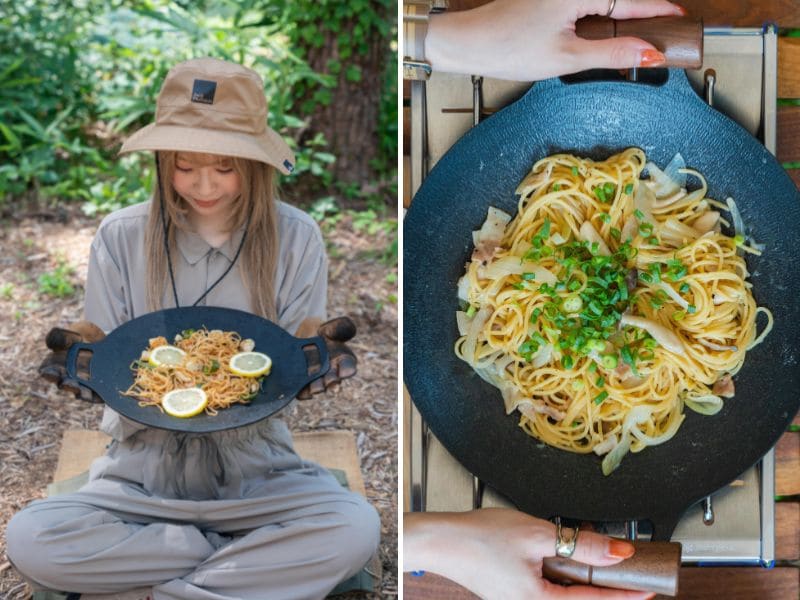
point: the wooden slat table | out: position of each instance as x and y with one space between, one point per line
739 583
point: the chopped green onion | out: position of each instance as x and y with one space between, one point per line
678 315
628 357
684 288
615 233
638 214
572 303
556 187
600 381
578 384
605 217
600 397
738 239
567 361
529 276
645 228
471 310
691 309
575 171
596 345
629 189
609 361
592 367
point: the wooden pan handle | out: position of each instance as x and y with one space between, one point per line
653 568
680 39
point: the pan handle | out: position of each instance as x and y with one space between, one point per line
654 567
678 38
312 348
72 361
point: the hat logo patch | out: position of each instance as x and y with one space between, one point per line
203 91
289 166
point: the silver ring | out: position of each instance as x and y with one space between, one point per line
611 5
565 547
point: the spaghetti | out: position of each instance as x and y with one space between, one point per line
609 303
205 365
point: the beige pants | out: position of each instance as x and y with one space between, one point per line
231 515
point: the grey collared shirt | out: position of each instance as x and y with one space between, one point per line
116 290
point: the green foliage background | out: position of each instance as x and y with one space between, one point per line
77 76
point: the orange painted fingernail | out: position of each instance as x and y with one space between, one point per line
620 549
652 58
681 9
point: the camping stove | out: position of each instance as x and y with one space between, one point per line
735 525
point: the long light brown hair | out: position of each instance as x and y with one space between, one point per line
259 256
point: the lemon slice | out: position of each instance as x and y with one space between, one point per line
250 364
166 355
186 402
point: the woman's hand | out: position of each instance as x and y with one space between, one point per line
54 368
342 359
497 553
528 40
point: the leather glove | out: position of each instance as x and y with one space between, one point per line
343 362
53 367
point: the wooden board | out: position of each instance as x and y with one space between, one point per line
789 67
787 531
744 583
787 465
718 13
331 449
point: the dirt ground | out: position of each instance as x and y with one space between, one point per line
34 414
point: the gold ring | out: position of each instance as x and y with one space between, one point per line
565 547
611 5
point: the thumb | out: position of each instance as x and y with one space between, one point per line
616 53
340 329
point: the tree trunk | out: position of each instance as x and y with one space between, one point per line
350 115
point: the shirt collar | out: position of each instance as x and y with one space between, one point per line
193 247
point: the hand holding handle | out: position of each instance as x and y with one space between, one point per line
678 38
654 567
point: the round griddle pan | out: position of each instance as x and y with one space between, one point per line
598 119
110 372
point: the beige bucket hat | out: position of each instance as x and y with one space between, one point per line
212 106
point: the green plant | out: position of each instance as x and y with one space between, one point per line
56 283
7 290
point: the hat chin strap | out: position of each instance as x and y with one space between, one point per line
166 241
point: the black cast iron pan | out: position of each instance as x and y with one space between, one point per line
483 169
110 372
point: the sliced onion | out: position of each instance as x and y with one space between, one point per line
511 265
705 405
534 180
606 446
644 200
661 334
736 217
475 326
463 288
630 229
707 222
670 180
718 347
636 416
674 295
543 356
589 234
495 224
